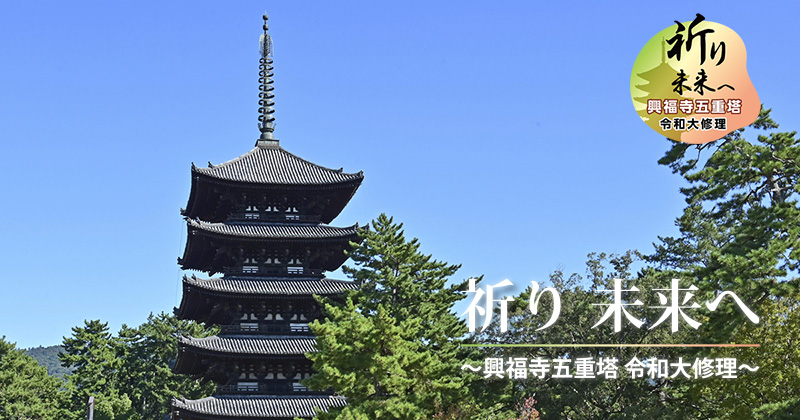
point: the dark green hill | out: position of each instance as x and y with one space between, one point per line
48 357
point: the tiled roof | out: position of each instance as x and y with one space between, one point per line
259 406
277 231
271 287
251 345
273 165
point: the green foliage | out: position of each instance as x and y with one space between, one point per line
600 398
114 406
741 228
784 410
778 360
456 411
91 352
146 375
130 375
27 392
48 357
392 347
740 231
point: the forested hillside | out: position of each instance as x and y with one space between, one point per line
48 357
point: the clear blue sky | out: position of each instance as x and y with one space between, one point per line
502 134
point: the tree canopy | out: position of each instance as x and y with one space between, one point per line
27 392
130 375
392 347
740 232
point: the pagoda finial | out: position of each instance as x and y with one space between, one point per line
266 121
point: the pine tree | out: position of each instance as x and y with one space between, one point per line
392 347
145 373
95 357
740 232
26 391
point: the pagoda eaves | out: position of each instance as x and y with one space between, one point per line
202 296
252 407
269 171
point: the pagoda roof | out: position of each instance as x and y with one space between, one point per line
283 231
274 165
260 287
252 406
194 354
249 345
196 304
205 239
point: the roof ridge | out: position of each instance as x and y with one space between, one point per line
340 170
275 165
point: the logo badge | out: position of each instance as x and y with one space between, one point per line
690 82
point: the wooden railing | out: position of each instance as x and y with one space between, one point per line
274 217
280 388
291 328
254 270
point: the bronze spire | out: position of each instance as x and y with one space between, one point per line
266 121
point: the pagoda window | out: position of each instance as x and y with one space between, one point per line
251 213
248 374
301 313
302 373
295 266
292 213
298 387
296 327
298 317
250 266
248 326
247 386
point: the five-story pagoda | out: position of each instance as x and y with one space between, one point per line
261 221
